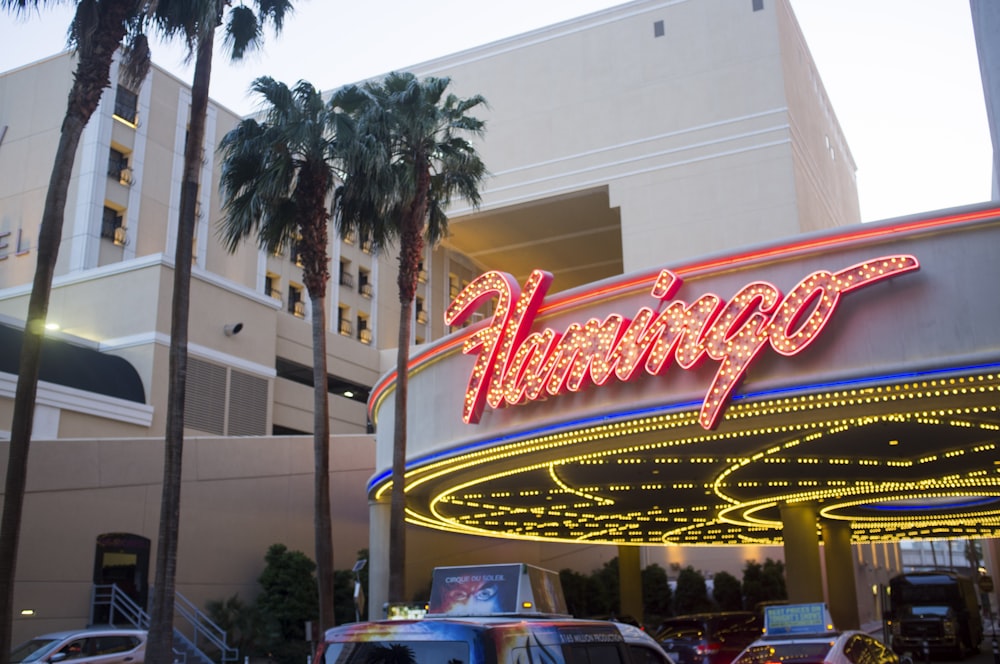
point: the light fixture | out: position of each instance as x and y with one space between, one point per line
52 327
232 329
27 612
348 394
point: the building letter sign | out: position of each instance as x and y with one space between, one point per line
515 365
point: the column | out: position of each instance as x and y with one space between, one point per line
378 558
630 581
841 587
803 576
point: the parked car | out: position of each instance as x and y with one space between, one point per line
709 638
484 640
847 647
491 614
94 645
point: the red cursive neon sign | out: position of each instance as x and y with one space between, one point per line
515 365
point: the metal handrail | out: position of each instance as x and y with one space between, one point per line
205 627
202 626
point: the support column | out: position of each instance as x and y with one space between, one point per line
630 582
841 587
803 576
378 558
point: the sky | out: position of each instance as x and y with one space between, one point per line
902 75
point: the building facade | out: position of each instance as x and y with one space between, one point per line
625 140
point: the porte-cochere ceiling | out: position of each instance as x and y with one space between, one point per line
909 460
890 421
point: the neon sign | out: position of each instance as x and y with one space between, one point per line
515 365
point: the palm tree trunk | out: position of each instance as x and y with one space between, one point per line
160 647
321 453
411 247
397 505
90 80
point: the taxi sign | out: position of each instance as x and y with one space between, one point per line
485 590
797 619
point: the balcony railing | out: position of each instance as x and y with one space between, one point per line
347 279
299 309
365 289
346 328
421 316
365 336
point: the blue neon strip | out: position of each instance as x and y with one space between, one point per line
937 507
657 410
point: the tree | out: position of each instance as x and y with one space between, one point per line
287 600
691 595
97 31
277 176
763 582
197 21
240 621
656 594
727 592
406 157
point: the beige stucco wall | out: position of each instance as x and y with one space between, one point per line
239 496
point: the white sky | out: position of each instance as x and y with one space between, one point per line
902 75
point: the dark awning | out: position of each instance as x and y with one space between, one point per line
68 364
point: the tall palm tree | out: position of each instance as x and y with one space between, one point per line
197 21
407 158
97 31
277 176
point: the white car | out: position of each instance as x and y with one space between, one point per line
846 647
95 645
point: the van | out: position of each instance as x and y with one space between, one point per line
491 614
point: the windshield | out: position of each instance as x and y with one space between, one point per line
799 653
402 652
32 650
927 611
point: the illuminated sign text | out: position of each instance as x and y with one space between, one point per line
515 365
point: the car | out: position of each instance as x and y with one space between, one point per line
804 634
709 638
491 614
93 645
483 639
846 647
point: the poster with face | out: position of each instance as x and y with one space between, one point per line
474 590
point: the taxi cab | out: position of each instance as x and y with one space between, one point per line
491 614
804 634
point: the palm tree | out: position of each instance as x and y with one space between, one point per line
277 176
96 33
406 160
197 21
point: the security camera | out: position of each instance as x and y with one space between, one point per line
232 328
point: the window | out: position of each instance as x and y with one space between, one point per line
453 286
366 246
658 30
421 312
364 282
296 304
364 334
118 168
113 226
272 284
421 273
758 5
126 105
344 321
296 253
346 278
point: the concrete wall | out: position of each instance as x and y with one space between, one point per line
239 496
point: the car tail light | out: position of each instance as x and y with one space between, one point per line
710 648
